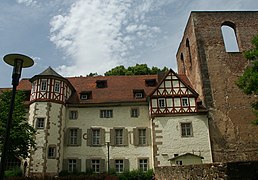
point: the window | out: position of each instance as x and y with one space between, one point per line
74 136
119 165
185 102
95 136
51 152
150 82
43 86
72 165
119 136
186 129
134 112
101 83
162 103
57 87
84 96
40 123
95 165
73 114
179 163
143 165
142 137
138 95
229 37
106 113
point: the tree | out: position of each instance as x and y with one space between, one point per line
21 133
138 69
248 82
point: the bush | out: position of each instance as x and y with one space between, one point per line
136 175
13 172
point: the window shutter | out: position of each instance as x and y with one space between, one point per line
65 165
125 137
148 136
68 139
136 136
79 138
112 137
102 166
88 164
126 165
89 138
112 164
102 136
78 165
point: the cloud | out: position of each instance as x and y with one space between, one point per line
97 35
32 3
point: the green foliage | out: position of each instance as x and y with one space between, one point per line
14 172
248 82
138 69
21 133
136 174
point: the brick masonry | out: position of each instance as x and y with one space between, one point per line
213 73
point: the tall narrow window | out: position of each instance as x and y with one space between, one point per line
73 136
189 52
43 85
229 37
95 136
162 103
118 136
57 87
142 137
183 62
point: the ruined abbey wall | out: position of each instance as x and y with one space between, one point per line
213 72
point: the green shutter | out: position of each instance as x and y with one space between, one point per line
136 136
68 139
102 166
89 139
148 136
126 165
79 138
65 165
112 137
78 165
102 137
125 137
88 164
112 164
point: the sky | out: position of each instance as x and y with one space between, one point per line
78 37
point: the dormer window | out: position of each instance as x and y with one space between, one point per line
86 95
150 82
101 83
138 93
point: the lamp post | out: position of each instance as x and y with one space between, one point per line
18 61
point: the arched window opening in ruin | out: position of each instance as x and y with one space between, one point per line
229 37
183 61
189 52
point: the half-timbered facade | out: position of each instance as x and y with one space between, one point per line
113 122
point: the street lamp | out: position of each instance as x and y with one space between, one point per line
18 61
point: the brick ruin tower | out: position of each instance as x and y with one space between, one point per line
213 71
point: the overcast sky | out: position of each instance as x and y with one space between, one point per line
76 37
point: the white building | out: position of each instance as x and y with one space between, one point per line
113 122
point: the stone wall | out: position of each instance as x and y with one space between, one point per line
228 171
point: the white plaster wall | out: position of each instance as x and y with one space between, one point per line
90 117
173 143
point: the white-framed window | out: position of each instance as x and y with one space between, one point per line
95 165
57 87
186 130
162 102
43 85
142 137
71 165
40 123
138 95
185 102
119 165
143 165
95 136
84 96
118 136
51 152
106 113
73 136
135 112
73 114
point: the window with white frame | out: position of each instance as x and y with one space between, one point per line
51 152
40 123
118 136
43 85
95 136
142 137
84 96
186 129
119 165
95 165
73 114
162 102
57 87
107 113
135 112
143 165
73 136
185 102
72 165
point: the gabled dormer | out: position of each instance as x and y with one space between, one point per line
173 95
50 86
